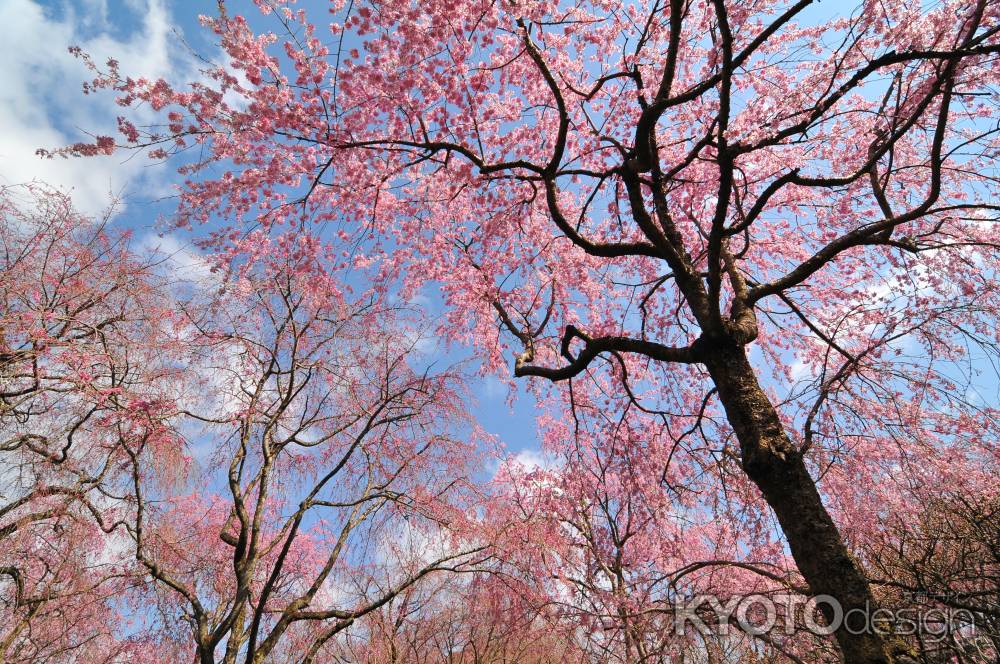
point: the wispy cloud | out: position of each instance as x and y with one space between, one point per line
183 263
536 460
42 104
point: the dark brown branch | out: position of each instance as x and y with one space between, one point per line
594 347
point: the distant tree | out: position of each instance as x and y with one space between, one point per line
75 306
239 475
463 619
335 473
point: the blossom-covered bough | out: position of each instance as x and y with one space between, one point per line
752 205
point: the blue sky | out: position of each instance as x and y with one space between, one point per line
42 106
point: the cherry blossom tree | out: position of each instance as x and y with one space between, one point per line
335 473
243 473
620 550
74 303
462 619
749 213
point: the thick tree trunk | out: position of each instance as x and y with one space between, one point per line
206 655
775 465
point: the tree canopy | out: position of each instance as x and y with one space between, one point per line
742 252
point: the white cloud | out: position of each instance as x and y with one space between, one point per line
404 546
182 262
524 462
42 104
536 460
